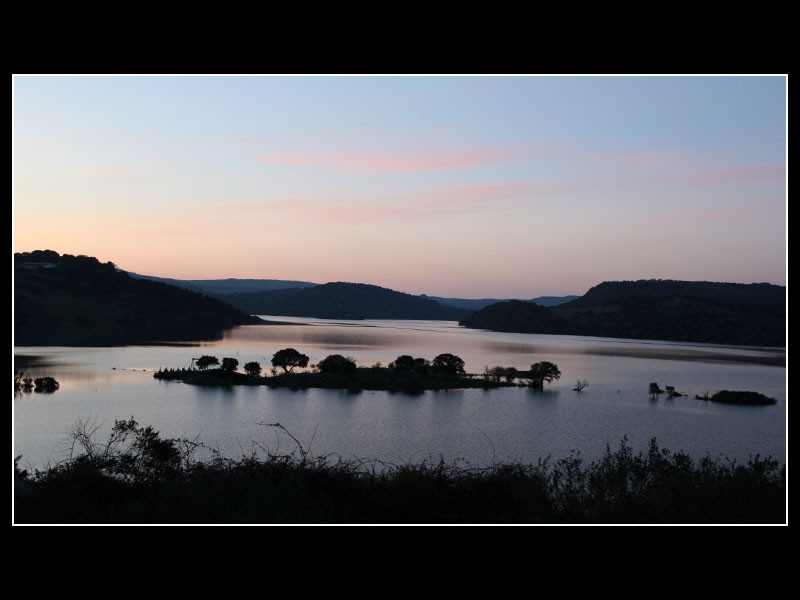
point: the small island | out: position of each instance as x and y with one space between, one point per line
405 374
739 397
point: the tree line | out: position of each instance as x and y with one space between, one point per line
444 364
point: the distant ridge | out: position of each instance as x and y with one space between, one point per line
221 287
470 304
342 300
691 311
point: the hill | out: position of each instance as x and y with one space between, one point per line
477 304
219 288
344 301
689 311
79 301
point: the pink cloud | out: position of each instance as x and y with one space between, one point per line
423 161
717 216
738 173
637 159
442 201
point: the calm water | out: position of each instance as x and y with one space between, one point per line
101 384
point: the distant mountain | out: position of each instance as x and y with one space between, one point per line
344 301
220 287
79 301
554 300
691 311
470 304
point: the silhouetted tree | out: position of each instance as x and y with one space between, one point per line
655 390
288 359
253 369
336 363
404 363
580 384
421 365
543 372
448 364
205 361
229 364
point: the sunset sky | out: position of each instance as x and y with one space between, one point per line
454 186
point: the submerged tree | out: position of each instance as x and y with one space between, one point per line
288 359
655 390
543 372
205 361
580 384
252 368
510 374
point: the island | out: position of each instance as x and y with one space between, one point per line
405 374
739 397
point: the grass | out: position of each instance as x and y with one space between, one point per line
136 477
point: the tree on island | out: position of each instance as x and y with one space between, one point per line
205 361
252 368
229 364
448 364
404 363
288 359
407 364
543 372
336 363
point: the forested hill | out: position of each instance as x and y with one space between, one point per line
79 301
690 311
220 288
344 301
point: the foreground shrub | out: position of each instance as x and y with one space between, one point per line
136 477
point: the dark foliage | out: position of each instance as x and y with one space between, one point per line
336 363
288 359
344 301
45 384
447 365
79 301
253 368
543 372
206 361
734 397
229 364
691 311
137 477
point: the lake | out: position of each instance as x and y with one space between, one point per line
478 427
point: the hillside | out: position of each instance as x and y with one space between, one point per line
477 304
79 301
722 313
219 288
344 301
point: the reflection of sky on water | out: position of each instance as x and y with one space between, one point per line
109 383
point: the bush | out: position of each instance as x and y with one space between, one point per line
336 363
136 477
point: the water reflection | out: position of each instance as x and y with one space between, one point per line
522 423
644 350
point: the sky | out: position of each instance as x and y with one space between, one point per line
503 187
